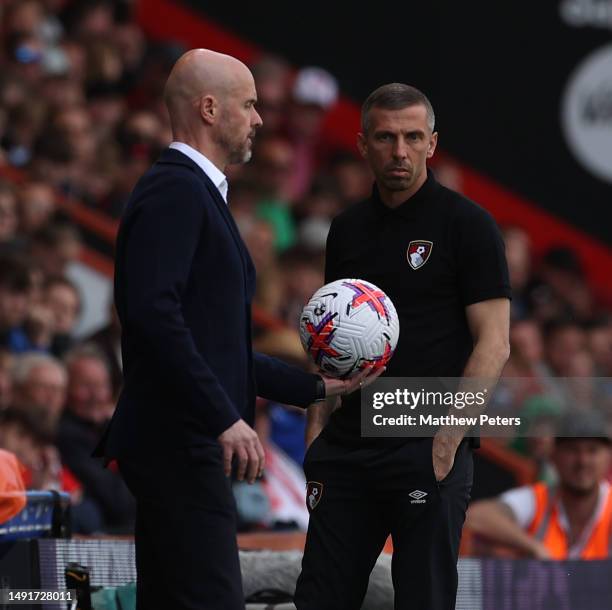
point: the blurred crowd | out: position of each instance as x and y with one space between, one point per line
81 117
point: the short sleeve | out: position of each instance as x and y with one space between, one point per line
522 503
481 257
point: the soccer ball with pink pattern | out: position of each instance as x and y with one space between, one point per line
347 325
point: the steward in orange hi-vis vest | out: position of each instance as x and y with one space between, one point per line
550 526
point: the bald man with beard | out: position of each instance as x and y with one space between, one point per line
184 282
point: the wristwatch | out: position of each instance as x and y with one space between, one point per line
320 390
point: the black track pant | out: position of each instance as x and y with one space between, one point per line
356 498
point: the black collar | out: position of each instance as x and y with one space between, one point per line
412 205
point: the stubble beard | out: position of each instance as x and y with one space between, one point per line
242 154
398 183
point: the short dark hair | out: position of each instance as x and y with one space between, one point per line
60 280
396 96
28 420
55 233
15 274
86 351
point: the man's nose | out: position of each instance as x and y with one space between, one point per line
400 150
258 122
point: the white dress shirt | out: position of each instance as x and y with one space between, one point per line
218 178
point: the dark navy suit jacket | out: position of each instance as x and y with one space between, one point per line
184 282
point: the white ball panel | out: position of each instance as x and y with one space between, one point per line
359 333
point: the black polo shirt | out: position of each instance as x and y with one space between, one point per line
433 255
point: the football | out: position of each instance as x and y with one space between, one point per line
347 325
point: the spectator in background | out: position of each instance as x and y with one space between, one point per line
76 126
561 289
24 52
525 370
141 138
55 246
76 61
88 409
448 174
302 272
132 47
315 91
25 16
39 386
259 238
90 18
272 168
13 91
15 284
527 350
599 341
12 487
104 64
8 217
518 254
315 213
108 340
272 78
3 119
258 235
25 435
353 178
142 128
6 380
53 159
87 170
107 107
13 94
63 299
243 201
36 206
567 357
22 434
37 282
540 417
563 341
24 124
60 91
572 520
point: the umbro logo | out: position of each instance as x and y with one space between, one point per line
418 496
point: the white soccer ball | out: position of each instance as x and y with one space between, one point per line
347 325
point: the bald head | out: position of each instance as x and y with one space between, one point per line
205 94
200 73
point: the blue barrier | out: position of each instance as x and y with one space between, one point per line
36 520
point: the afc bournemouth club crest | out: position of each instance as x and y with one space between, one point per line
418 252
314 491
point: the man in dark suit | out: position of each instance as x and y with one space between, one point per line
184 282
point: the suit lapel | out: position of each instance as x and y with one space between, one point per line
170 155
229 219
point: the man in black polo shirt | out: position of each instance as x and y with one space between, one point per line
440 258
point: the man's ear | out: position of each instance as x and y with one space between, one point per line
433 142
209 109
362 145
